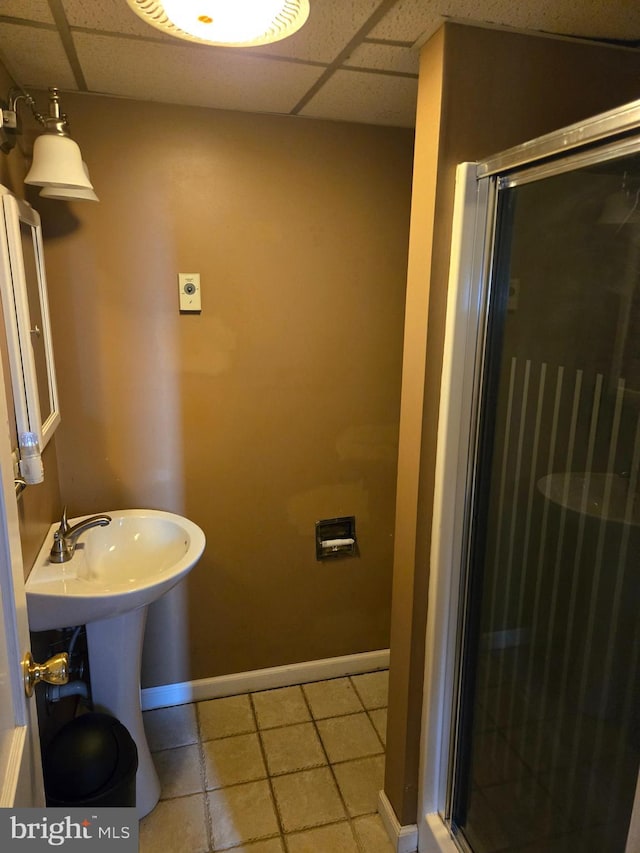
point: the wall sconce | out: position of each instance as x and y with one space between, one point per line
57 162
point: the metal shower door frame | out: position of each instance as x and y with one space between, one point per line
605 137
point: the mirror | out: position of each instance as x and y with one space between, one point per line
24 299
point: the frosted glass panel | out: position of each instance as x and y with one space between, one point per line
550 727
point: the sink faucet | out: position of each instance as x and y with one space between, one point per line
65 538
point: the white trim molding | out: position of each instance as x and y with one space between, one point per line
262 679
403 838
435 836
454 435
455 430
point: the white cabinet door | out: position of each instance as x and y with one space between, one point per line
20 766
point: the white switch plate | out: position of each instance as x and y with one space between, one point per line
189 290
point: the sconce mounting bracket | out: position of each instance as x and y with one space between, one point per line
8 127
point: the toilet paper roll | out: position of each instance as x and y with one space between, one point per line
336 543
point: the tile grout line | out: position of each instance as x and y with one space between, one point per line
291 773
384 747
266 768
368 712
203 778
270 777
331 770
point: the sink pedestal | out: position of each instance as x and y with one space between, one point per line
115 656
114 574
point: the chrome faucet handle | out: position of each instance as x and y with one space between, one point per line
60 551
64 524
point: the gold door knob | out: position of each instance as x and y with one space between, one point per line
54 671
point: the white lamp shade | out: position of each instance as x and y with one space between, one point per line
57 162
70 193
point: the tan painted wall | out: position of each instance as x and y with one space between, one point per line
275 407
481 91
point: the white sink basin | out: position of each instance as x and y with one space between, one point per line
125 565
115 572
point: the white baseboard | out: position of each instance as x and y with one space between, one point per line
262 679
403 838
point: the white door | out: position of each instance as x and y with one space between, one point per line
21 782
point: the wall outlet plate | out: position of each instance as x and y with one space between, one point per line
189 292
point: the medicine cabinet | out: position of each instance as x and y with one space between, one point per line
26 313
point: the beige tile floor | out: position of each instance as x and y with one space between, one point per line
290 770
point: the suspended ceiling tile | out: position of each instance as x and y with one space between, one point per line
410 20
592 18
385 57
36 57
111 16
191 75
331 25
34 10
366 97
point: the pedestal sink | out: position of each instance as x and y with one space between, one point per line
114 574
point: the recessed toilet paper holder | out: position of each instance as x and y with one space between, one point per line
336 537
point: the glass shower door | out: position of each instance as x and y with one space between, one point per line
547 731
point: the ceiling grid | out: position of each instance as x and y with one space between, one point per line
354 60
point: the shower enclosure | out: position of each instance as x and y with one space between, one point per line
532 735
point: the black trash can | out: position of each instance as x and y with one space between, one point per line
91 761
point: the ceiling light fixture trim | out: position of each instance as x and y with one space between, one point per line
224 23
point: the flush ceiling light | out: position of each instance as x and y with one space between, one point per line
239 23
57 161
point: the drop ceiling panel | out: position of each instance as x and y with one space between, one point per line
331 25
110 16
34 10
38 55
385 57
365 97
410 20
121 55
191 75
